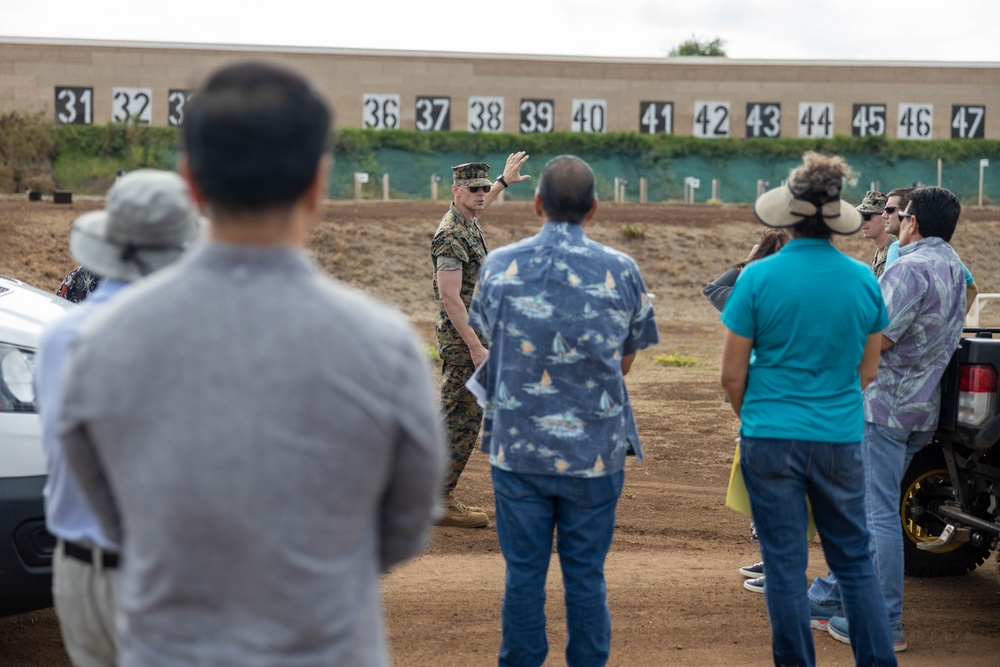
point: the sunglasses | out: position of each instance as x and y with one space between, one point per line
889 210
905 216
475 188
867 216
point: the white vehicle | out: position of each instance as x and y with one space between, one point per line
25 545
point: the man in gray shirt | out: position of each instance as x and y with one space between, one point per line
262 441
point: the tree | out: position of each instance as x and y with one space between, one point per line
698 47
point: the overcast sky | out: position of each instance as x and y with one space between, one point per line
890 30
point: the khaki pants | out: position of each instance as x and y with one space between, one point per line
85 600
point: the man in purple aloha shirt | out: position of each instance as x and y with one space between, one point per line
924 292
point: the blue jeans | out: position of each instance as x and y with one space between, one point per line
886 453
528 508
779 475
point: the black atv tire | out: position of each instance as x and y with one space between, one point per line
926 486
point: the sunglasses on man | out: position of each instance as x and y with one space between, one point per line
889 210
475 188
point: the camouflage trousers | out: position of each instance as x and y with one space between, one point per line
462 418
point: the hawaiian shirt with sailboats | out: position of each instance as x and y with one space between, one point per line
560 312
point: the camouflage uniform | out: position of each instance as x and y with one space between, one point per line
878 261
459 238
873 204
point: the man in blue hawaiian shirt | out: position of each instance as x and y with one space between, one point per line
564 316
924 292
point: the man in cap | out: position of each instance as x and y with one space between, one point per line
264 440
149 221
874 227
457 251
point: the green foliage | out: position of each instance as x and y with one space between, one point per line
699 47
26 140
675 359
433 355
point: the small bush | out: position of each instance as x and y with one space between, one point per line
632 232
432 354
675 359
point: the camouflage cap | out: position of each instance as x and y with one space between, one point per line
874 202
471 174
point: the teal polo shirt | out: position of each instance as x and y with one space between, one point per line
809 310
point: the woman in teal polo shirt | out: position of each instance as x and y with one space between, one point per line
812 317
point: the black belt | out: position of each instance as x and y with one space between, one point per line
86 555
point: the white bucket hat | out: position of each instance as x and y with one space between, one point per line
148 222
783 207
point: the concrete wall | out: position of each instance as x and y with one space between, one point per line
98 73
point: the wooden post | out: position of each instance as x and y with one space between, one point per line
983 163
940 172
616 190
643 190
434 187
385 187
357 188
716 189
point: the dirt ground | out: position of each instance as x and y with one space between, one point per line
675 593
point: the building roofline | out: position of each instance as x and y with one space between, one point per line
604 60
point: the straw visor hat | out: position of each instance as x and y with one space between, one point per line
148 222
790 204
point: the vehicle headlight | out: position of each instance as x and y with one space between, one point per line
17 375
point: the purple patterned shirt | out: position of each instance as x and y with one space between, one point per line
924 292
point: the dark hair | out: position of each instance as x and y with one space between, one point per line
819 179
566 188
903 194
771 241
254 136
936 210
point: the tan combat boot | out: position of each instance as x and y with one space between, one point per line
458 515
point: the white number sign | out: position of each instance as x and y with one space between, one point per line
590 116
380 112
433 113
815 119
74 106
485 114
915 121
656 117
763 120
537 116
132 104
868 120
711 119
967 122
176 101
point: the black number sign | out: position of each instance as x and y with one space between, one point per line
74 106
868 120
537 116
433 113
176 100
967 122
763 119
656 117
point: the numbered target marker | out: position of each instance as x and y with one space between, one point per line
537 116
590 116
133 104
433 113
656 117
916 121
815 119
868 120
763 120
380 112
968 122
711 120
485 114
176 102
74 106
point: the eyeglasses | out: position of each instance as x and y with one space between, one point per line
889 210
866 216
475 188
903 215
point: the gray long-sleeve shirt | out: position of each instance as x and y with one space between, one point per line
718 290
265 442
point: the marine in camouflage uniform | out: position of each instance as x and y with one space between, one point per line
458 243
872 206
